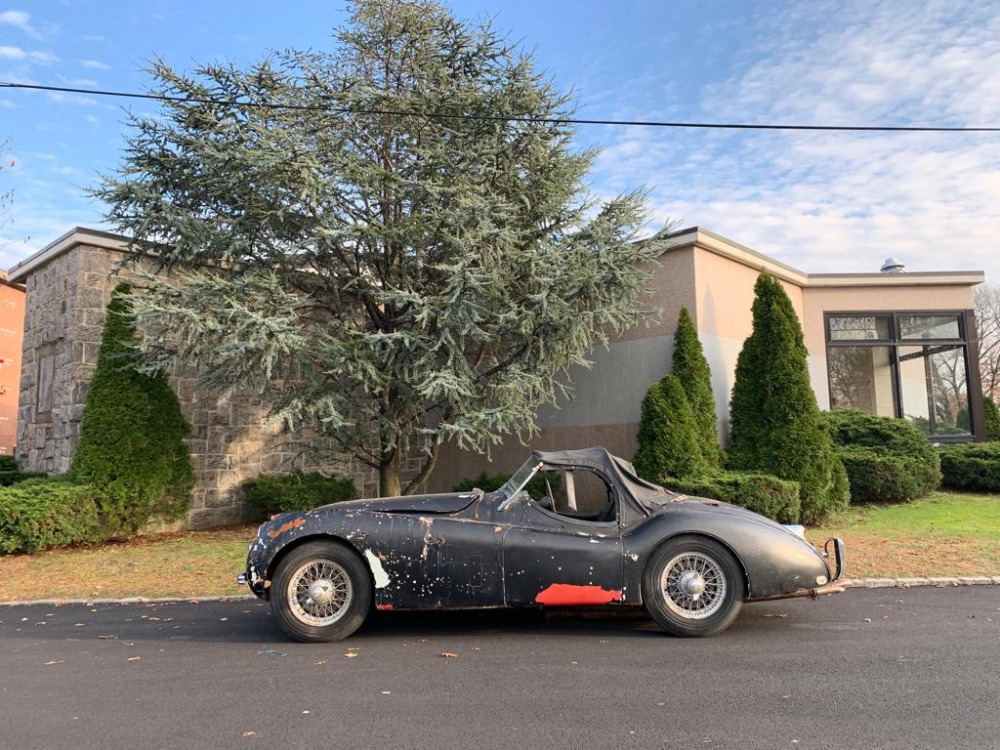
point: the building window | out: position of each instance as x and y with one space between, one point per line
910 365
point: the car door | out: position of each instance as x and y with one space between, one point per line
443 561
565 555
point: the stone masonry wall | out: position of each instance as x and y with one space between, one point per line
231 439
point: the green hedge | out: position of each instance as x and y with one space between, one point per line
10 474
971 466
878 476
778 499
268 494
39 514
886 459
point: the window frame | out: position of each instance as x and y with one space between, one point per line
966 323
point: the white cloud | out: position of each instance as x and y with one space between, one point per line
32 57
60 98
829 202
17 18
22 20
95 65
78 82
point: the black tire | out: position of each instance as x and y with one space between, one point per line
321 591
693 587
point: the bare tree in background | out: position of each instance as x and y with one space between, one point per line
987 304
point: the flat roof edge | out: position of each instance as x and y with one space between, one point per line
72 238
908 278
696 236
725 247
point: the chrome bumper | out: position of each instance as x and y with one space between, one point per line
839 557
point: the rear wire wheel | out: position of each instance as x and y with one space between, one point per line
321 591
692 586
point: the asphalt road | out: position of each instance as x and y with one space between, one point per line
885 668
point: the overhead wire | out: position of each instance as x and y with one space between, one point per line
502 117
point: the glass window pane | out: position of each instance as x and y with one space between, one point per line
934 389
861 378
859 328
929 327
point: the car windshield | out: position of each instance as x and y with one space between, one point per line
521 477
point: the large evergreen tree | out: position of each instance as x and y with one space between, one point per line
131 438
776 423
396 250
691 367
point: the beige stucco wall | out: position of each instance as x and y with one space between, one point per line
717 287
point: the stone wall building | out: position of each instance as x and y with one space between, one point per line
69 285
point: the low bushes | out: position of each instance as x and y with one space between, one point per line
268 494
886 459
971 466
767 495
10 474
878 476
38 514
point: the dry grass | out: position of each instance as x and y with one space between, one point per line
944 535
183 564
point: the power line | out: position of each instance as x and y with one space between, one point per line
504 118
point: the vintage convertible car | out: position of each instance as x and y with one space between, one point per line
570 528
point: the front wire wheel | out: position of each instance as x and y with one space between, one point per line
692 586
321 591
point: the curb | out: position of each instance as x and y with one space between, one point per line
906 583
852 583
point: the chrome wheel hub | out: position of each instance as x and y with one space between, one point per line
319 592
694 586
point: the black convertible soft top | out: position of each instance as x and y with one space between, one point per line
646 494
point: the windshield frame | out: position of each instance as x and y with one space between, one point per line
519 479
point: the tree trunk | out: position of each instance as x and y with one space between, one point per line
389 483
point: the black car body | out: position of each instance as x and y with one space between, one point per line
589 533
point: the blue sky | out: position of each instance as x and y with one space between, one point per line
823 202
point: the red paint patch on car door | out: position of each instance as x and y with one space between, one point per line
567 594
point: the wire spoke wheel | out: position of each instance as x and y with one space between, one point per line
693 585
320 592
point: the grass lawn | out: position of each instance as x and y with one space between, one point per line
945 534
942 535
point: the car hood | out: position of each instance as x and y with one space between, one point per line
450 502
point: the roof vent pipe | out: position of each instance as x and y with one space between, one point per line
893 265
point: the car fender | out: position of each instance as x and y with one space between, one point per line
774 561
